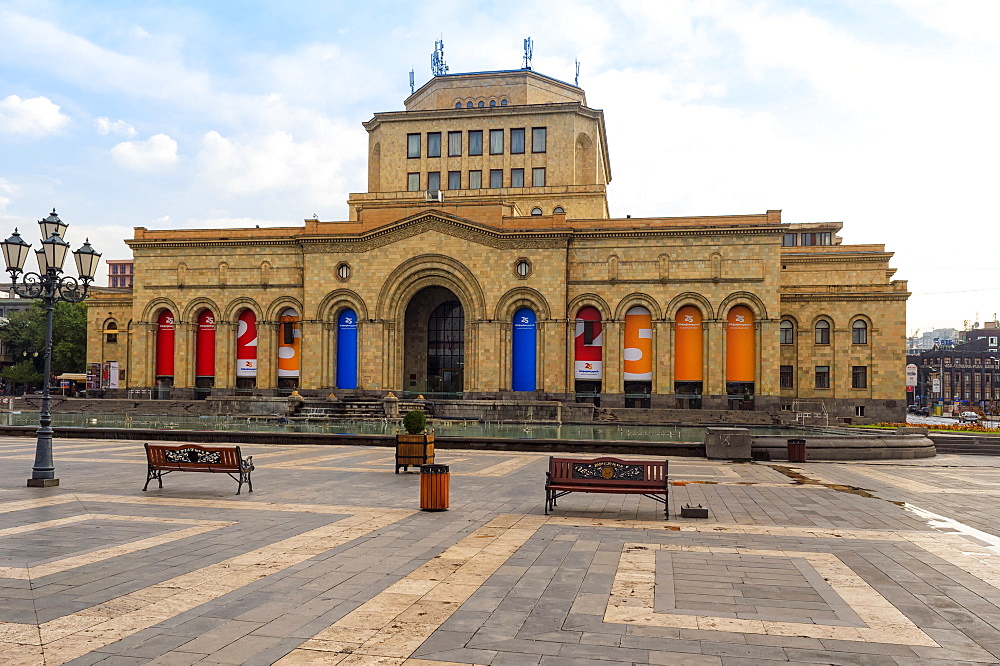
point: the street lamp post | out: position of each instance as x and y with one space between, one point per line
49 286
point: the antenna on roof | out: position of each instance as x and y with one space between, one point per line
529 47
438 66
411 82
576 81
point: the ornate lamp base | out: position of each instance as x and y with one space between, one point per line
42 483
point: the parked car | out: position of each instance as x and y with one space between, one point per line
923 411
968 417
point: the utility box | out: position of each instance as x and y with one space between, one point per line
727 443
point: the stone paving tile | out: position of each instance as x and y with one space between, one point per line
492 580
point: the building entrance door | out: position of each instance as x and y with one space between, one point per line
434 346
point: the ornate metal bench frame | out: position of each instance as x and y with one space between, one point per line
229 460
607 475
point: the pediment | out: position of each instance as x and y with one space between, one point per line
434 221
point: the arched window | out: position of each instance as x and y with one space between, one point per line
536 211
481 104
503 102
111 333
822 332
558 209
787 332
493 102
468 105
859 332
458 105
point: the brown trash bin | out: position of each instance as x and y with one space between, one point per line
797 450
434 481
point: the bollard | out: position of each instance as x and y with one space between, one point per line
434 480
797 450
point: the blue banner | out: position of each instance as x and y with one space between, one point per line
347 350
524 352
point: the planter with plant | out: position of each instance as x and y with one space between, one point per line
416 446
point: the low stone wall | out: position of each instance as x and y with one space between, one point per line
63 405
700 417
250 405
833 447
595 447
517 411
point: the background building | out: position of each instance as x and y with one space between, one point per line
120 273
482 262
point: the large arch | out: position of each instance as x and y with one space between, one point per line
427 271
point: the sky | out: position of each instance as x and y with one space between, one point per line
883 115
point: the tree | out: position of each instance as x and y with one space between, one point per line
25 332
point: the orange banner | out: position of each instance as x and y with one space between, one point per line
741 345
688 345
289 344
638 353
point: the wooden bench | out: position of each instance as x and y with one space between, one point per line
606 475
195 458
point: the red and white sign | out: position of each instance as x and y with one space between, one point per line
246 345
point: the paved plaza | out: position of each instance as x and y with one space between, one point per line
330 561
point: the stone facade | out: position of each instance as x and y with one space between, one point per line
402 256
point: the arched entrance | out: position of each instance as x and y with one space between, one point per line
434 342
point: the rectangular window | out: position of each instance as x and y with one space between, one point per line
496 142
496 178
517 140
413 182
538 177
818 238
434 144
517 177
454 180
475 142
789 240
454 144
412 145
475 180
538 140
859 410
787 377
822 376
859 376
434 180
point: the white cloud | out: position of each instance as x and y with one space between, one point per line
107 126
7 190
156 152
36 116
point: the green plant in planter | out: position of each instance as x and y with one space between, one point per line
414 422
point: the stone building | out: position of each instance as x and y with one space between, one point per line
483 262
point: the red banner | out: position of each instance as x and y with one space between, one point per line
204 365
165 333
